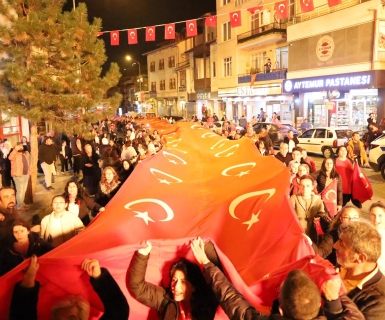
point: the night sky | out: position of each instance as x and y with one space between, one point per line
127 14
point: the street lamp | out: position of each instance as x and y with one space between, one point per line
128 58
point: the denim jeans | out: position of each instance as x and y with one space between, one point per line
21 186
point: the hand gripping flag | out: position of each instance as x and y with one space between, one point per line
132 36
177 195
169 31
282 9
114 37
211 21
307 5
329 197
235 19
361 188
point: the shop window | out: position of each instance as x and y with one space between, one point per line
320 134
307 134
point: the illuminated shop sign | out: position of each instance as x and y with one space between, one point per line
247 91
343 81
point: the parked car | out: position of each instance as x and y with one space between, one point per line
277 131
377 155
324 140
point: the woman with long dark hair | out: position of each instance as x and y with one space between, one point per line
79 203
187 297
325 176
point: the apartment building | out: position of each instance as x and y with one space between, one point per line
336 64
245 50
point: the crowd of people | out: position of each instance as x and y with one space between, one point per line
194 291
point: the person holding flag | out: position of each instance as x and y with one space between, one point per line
324 177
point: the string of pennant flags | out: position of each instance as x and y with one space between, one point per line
281 11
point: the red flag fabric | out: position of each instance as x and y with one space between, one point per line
255 10
132 36
235 19
307 5
329 197
333 3
169 31
361 187
253 78
150 33
282 9
191 28
211 21
114 37
184 200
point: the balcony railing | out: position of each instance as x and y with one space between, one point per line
274 75
183 64
202 84
262 31
182 89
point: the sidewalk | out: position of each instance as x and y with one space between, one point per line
42 199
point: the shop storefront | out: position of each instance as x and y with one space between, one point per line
343 100
249 101
206 104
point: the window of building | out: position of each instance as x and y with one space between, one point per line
153 86
11 126
226 30
257 62
182 75
227 67
161 64
152 66
281 58
162 85
214 69
171 62
224 2
172 83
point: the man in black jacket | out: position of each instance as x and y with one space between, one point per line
25 296
47 156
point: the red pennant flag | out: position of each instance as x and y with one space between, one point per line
169 31
307 5
150 33
253 78
114 37
361 188
211 21
255 10
329 197
235 19
98 34
333 3
191 28
282 9
132 36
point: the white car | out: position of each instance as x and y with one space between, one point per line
377 155
324 140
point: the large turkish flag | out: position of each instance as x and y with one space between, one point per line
199 184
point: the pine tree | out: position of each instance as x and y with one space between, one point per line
51 68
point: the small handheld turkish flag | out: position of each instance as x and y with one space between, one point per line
361 188
211 21
307 5
235 19
169 31
255 10
114 36
333 3
282 9
132 36
191 28
329 197
150 33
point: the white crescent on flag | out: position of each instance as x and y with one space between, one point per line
132 34
114 35
331 198
191 26
235 16
144 215
165 181
232 148
150 30
283 7
242 173
170 29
